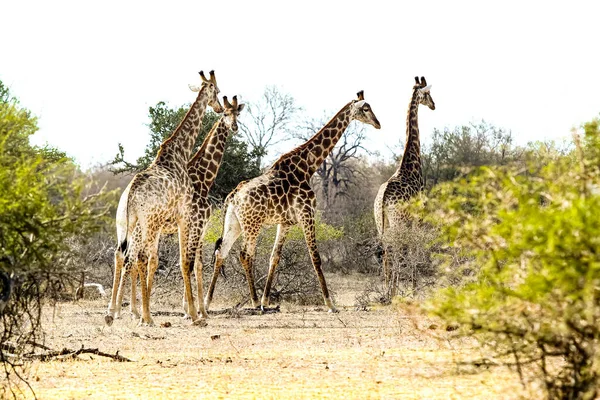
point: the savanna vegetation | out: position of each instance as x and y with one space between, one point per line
502 249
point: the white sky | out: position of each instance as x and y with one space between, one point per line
90 70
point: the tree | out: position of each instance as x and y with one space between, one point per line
238 163
268 121
535 235
466 146
43 208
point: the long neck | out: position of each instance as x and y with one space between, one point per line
179 146
411 160
204 166
318 147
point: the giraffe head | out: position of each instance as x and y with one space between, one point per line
424 92
231 112
211 90
361 111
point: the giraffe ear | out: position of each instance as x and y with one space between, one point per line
426 89
194 88
240 108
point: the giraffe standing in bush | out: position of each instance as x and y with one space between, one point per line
203 169
283 196
160 195
408 179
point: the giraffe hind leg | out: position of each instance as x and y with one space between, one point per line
247 259
275 256
308 226
112 305
231 232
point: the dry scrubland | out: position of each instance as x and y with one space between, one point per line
301 352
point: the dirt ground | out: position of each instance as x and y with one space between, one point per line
300 352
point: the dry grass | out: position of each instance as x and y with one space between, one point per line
302 352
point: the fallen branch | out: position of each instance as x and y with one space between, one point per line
245 311
69 353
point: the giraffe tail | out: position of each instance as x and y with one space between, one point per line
218 244
122 220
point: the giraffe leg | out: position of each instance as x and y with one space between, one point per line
195 252
199 284
308 226
149 251
119 303
232 231
184 263
282 231
247 258
142 265
152 267
133 305
113 306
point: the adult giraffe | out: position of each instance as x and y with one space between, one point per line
283 196
160 194
408 179
203 169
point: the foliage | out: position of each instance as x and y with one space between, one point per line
473 145
535 233
238 163
44 203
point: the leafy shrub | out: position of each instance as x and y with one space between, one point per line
535 234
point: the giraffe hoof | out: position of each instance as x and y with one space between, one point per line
333 310
201 322
150 322
108 319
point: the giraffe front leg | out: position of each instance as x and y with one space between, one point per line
308 226
247 259
199 283
184 262
275 256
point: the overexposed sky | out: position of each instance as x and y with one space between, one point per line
90 70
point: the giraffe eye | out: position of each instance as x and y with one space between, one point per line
366 108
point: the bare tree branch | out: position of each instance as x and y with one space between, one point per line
266 122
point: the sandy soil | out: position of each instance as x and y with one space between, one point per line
301 352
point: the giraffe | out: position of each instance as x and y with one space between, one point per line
202 169
408 179
163 192
283 196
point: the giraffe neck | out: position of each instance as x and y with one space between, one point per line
177 149
204 166
410 166
318 147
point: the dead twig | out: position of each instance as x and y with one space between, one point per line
69 353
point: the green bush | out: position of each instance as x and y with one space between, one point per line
535 235
44 207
